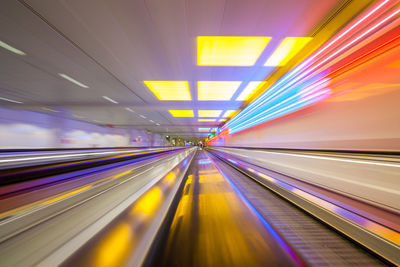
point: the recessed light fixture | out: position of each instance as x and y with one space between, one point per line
11 100
170 90
144 117
204 120
250 89
228 113
151 121
221 120
287 49
182 113
109 99
130 110
217 90
157 124
209 113
12 49
65 76
230 50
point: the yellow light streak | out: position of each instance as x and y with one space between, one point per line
230 50
170 90
115 247
122 174
250 89
148 204
228 113
217 90
287 49
66 195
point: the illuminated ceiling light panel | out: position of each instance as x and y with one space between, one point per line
221 120
210 113
12 49
181 113
228 113
230 50
203 120
287 49
250 89
217 90
110 99
204 129
10 100
65 76
170 90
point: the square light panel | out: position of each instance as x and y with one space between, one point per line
181 113
170 90
210 113
250 89
204 120
230 50
217 90
286 50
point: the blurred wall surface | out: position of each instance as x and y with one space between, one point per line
28 129
361 113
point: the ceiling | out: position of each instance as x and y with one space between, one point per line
112 47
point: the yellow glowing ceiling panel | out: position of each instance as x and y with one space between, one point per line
228 113
181 113
221 120
210 113
217 90
287 49
230 50
250 89
170 90
203 120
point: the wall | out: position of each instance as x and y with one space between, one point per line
362 113
27 129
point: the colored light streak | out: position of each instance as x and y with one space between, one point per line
290 101
12 49
228 113
66 195
230 50
307 62
283 111
170 90
209 113
122 174
251 88
287 49
181 113
289 82
217 90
